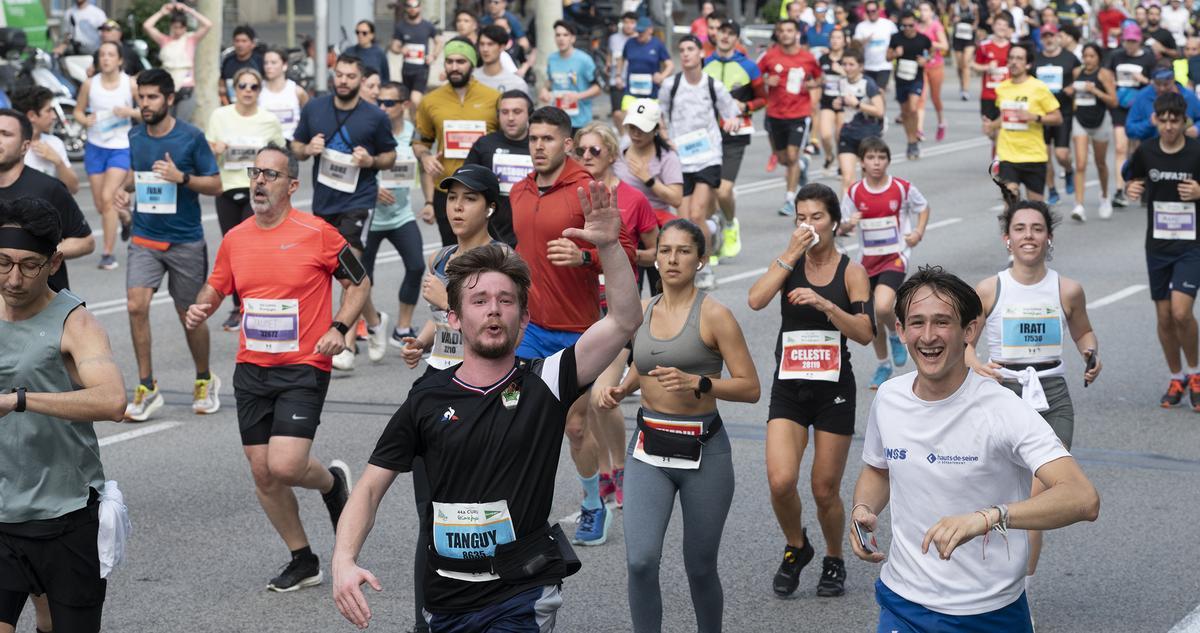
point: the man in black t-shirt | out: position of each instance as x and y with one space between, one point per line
1160 40
416 39
1167 171
910 50
244 55
1055 67
19 181
1069 12
490 432
506 153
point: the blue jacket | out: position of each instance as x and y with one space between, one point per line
1138 124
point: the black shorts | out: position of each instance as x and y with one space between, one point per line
1032 175
58 558
710 176
961 45
285 400
905 89
414 77
890 278
1169 273
881 77
352 225
788 132
852 135
989 109
1059 135
827 103
731 158
1118 116
825 406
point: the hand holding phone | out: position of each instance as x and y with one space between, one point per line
866 538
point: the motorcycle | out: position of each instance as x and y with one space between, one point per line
22 66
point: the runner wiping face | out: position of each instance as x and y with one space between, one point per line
814 214
490 319
1027 237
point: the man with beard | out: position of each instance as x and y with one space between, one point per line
416 39
351 141
59 363
495 563
18 180
506 153
171 165
454 116
281 261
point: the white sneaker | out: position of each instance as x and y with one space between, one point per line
377 340
706 279
145 403
1106 208
1078 214
344 360
205 395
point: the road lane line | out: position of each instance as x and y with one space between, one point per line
145 430
1189 624
1116 296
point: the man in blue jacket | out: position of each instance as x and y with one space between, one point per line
1138 125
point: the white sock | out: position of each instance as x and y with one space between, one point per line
790 197
1193 370
1179 376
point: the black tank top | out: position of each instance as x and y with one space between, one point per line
1090 116
805 317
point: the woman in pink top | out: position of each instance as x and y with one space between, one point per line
935 68
700 24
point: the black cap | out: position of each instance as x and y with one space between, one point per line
732 26
476 178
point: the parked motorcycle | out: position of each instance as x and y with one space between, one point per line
22 66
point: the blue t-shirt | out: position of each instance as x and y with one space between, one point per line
372 58
641 60
573 74
168 212
515 27
365 125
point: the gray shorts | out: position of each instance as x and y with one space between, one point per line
1103 133
731 160
1061 414
187 264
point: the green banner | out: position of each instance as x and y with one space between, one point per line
29 16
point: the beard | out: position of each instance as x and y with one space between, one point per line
494 350
350 96
7 165
466 78
151 117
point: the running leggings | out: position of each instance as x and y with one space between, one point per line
233 206
705 495
406 238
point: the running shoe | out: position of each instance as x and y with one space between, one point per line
812 149
108 262
882 373
335 500
833 577
607 489
206 395
787 578
732 239
398 336
772 162
787 209
344 360
377 338
233 322
361 333
803 170
618 477
1194 392
301 572
706 279
964 96
1174 394
827 168
145 402
593 526
1052 199
941 132
899 351
1119 199
1079 214
126 230
1069 178
1106 208
920 135
914 151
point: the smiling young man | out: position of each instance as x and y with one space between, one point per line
954 452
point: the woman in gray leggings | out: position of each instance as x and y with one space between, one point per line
681 448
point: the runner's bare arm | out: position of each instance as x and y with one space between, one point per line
871 494
207 302
719 329
771 282
987 296
358 517
1075 304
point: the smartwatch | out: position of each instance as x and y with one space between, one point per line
186 178
649 182
587 258
705 386
340 327
20 408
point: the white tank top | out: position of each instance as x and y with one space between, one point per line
1027 325
283 104
110 131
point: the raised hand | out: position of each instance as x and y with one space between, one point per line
601 217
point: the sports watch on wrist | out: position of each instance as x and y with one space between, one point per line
340 327
704 386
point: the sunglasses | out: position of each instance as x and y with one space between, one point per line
250 87
387 103
363 32
594 150
270 174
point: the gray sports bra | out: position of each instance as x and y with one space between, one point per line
685 351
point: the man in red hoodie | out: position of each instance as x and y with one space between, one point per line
564 299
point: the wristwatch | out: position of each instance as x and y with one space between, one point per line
340 327
587 258
705 386
186 179
20 408
649 182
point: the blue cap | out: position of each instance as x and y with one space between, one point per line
1163 74
644 24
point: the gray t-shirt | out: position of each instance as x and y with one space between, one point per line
502 82
666 168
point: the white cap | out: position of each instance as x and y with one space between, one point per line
644 114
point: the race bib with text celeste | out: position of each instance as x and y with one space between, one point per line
811 355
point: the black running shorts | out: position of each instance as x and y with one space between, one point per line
285 400
825 406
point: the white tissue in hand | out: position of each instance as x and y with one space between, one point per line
816 236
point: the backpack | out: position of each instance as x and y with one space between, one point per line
712 95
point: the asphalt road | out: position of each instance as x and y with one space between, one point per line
202 550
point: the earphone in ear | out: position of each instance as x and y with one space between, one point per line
655 265
1008 244
700 265
491 210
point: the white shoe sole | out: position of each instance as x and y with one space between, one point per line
215 388
151 408
608 515
311 581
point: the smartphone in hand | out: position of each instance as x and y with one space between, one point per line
865 537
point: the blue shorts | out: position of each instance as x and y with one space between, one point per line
539 342
905 89
530 611
97 160
897 615
1180 273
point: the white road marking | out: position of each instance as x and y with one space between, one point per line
1116 296
1189 624
143 431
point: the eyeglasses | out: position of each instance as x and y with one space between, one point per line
594 150
387 103
28 269
252 87
270 174
363 32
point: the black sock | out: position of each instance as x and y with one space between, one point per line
303 552
204 375
148 382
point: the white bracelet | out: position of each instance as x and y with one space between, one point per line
784 265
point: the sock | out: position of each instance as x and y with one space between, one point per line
303 552
886 362
591 492
1193 370
790 197
204 375
148 382
1178 376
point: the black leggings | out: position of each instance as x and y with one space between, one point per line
406 238
233 206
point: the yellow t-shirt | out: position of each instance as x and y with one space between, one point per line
243 136
452 126
1023 142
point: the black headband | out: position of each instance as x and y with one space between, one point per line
20 239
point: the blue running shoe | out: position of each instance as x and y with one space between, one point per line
593 526
899 351
1069 177
882 373
1052 199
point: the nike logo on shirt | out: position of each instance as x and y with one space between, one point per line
284 247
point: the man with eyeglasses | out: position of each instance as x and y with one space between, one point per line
244 55
282 261
351 141
506 153
235 133
416 39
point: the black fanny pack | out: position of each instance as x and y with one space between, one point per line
661 443
544 553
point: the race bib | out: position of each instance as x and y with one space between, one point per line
511 169
459 136
1082 96
1052 76
795 80
240 152
1127 75
338 171
811 355
1031 332
906 69
570 106
832 85
109 126
682 427
964 31
641 84
414 54
1174 220
154 194
402 174
1010 113
271 325
880 236
286 115
471 530
447 348
995 77
695 147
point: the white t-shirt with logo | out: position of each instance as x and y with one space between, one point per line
975 449
41 164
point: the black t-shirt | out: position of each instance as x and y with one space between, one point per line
1123 64
1057 72
478 450
132 64
482 153
415 40
34 184
1068 10
231 64
1163 36
1162 173
914 47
